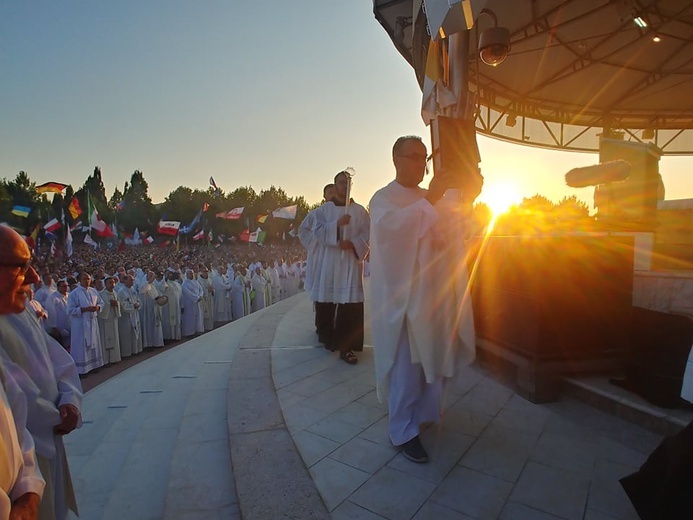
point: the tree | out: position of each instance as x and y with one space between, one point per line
137 208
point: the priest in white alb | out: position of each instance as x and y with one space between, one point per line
207 297
342 227
108 323
129 328
191 302
423 328
83 305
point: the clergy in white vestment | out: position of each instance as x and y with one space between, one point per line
207 297
324 312
58 321
264 272
129 328
47 289
275 283
342 227
191 302
223 306
283 287
150 314
83 305
46 366
258 284
108 323
423 328
21 484
240 293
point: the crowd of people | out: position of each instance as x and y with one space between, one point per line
111 305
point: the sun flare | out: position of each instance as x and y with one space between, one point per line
500 197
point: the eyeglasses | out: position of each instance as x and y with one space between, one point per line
23 267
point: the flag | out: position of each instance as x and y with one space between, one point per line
149 240
262 218
205 207
261 236
288 212
232 214
52 226
252 237
435 92
209 236
187 229
21 211
68 241
217 191
99 225
120 205
32 239
245 236
90 241
168 227
74 208
51 187
200 235
53 250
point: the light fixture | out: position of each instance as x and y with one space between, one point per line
640 22
656 38
648 133
511 120
494 43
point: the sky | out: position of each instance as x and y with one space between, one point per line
251 93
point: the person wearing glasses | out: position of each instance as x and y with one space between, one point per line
423 327
44 367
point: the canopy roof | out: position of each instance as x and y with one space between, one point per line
575 67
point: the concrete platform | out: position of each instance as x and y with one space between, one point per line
255 420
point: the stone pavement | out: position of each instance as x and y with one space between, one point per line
255 420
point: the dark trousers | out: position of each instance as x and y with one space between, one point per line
324 322
340 326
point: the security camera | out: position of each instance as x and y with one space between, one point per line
494 45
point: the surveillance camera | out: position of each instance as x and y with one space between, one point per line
494 45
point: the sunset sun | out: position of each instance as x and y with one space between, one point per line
500 197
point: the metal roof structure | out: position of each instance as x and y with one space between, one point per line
575 68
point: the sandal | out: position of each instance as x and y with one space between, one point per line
348 357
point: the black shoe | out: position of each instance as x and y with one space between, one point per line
414 450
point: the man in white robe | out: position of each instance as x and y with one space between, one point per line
150 314
58 321
83 305
108 323
129 328
45 291
324 312
207 297
283 279
423 329
342 229
223 306
275 283
259 285
240 293
191 302
44 365
174 294
21 483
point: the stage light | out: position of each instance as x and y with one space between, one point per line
494 43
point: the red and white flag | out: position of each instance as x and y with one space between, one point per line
232 214
52 226
199 236
168 227
99 225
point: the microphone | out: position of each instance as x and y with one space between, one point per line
611 171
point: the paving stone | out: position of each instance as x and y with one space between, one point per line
312 447
475 494
393 494
363 454
336 480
